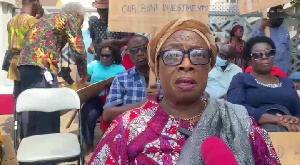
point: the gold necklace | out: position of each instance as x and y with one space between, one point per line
199 115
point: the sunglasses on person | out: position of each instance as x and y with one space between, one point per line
197 56
135 51
106 55
267 53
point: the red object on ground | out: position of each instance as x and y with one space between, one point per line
275 71
7 104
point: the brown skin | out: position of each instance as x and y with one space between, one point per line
239 33
143 69
106 61
237 38
227 52
139 60
262 72
268 22
29 8
176 102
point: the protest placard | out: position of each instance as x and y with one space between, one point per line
249 6
141 16
287 147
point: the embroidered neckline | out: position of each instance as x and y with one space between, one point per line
278 85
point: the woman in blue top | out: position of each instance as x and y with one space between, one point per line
272 101
108 64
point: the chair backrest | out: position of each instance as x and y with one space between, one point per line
47 100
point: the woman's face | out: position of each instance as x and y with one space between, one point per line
184 81
262 58
106 57
239 33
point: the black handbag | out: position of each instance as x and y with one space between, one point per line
7 60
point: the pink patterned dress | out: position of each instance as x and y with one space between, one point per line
150 136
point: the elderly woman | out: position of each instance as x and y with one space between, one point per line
181 55
39 61
271 100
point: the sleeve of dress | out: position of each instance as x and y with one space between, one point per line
116 94
257 32
112 149
262 147
75 39
237 95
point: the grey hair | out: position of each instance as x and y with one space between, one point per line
74 8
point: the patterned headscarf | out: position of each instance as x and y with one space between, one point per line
162 34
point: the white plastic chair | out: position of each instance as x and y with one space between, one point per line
50 148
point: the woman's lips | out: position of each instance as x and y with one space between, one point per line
186 83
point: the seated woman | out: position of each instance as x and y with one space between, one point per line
108 64
181 54
271 100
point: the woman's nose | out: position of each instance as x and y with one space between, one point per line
186 65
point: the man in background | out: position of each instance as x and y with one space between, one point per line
279 33
220 76
99 29
129 89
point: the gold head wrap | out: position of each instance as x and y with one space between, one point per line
162 34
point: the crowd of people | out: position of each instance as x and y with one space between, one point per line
237 92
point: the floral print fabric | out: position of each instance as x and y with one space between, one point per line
45 40
148 135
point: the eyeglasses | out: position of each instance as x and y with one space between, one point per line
267 53
175 57
224 57
106 55
135 51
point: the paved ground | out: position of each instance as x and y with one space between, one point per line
7 125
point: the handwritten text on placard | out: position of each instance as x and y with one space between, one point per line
287 147
143 15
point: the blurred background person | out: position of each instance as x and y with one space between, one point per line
220 76
17 29
236 40
280 36
40 56
108 64
271 100
88 40
40 12
99 29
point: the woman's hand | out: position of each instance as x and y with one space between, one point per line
153 91
288 119
290 127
